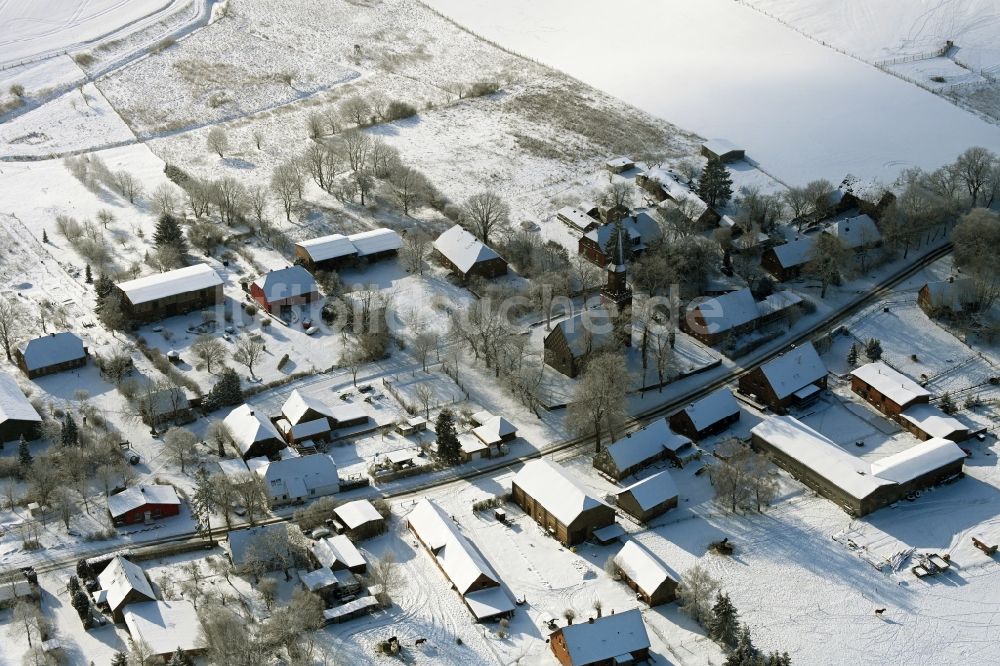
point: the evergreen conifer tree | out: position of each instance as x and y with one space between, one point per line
88 277
45 236
873 349
83 570
448 446
120 659
947 404
724 625
169 234
744 654
81 603
70 433
715 187
24 454
225 392
852 356
179 659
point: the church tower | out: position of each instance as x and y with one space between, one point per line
616 291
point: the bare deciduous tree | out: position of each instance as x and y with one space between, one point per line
248 350
14 323
416 248
181 447
696 593
598 402
210 351
356 110
165 199
356 145
827 259
408 187
128 185
217 141
975 168
486 214
286 183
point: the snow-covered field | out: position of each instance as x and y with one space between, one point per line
724 70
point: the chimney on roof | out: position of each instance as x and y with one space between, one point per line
590 620
52 334
251 412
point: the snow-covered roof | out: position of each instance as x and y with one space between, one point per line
952 293
892 384
918 460
585 331
357 513
489 602
494 430
855 231
402 455
318 580
233 466
720 146
14 406
304 430
619 161
247 427
52 349
354 606
120 578
297 405
456 555
578 218
295 477
652 491
642 567
778 301
171 283
552 487
375 241
794 253
165 626
794 370
286 283
642 229
645 443
262 541
728 311
711 409
324 248
931 420
346 412
606 637
138 496
819 454
463 249
337 549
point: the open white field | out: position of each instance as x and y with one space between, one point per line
803 111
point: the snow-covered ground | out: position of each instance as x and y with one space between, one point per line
801 110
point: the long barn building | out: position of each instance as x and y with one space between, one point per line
558 503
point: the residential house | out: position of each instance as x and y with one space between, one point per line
793 379
706 416
52 353
648 445
361 520
854 484
786 261
645 574
297 479
495 430
858 233
460 561
17 417
284 288
465 255
641 230
949 296
712 320
609 640
569 344
165 627
722 149
577 219
142 504
559 504
338 554
887 390
252 433
171 293
304 418
122 583
649 498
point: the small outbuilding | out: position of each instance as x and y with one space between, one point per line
360 519
928 422
337 553
17 417
577 219
52 353
723 150
636 450
649 498
619 164
707 416
165 627
464 254
495 430
142 504
284 288
645 574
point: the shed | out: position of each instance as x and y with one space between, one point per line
52 353
577 219
722 149
338 553
350 610
467 256
361 519
650 497
646 574
140 504
707 416
619 164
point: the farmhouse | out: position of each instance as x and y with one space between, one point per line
887 390
17 417
641 230
607 641
284 288
645 574
252 433
785 261
304 417
795 378
577 219
855 485
495 430
858 233
338 553
464 254
713 319
569 344
639 449
294 480
558 503
360 519
122 583
165 627
50 354
948 296
651 497
723 150
929 422
267 544
459 559
707 416
141 504
171 293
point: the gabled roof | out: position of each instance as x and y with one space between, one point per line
652 491
355 514
552 487
585 331
794 253
463 249
165 626
346 412
337 549
171 283
458 558
642 567
286 283
931 420
711 409
297 405
248 427
645 443
578 218
728 311
641 228
892 384
855 231
318 580
324 248
918 460
778 301
139 496
14 406
494 430
606 637
794 370
302 473
720 146
375 241
953 293
120 578
52 349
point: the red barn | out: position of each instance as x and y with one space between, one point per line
284 288
143 503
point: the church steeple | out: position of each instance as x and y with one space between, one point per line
616 290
